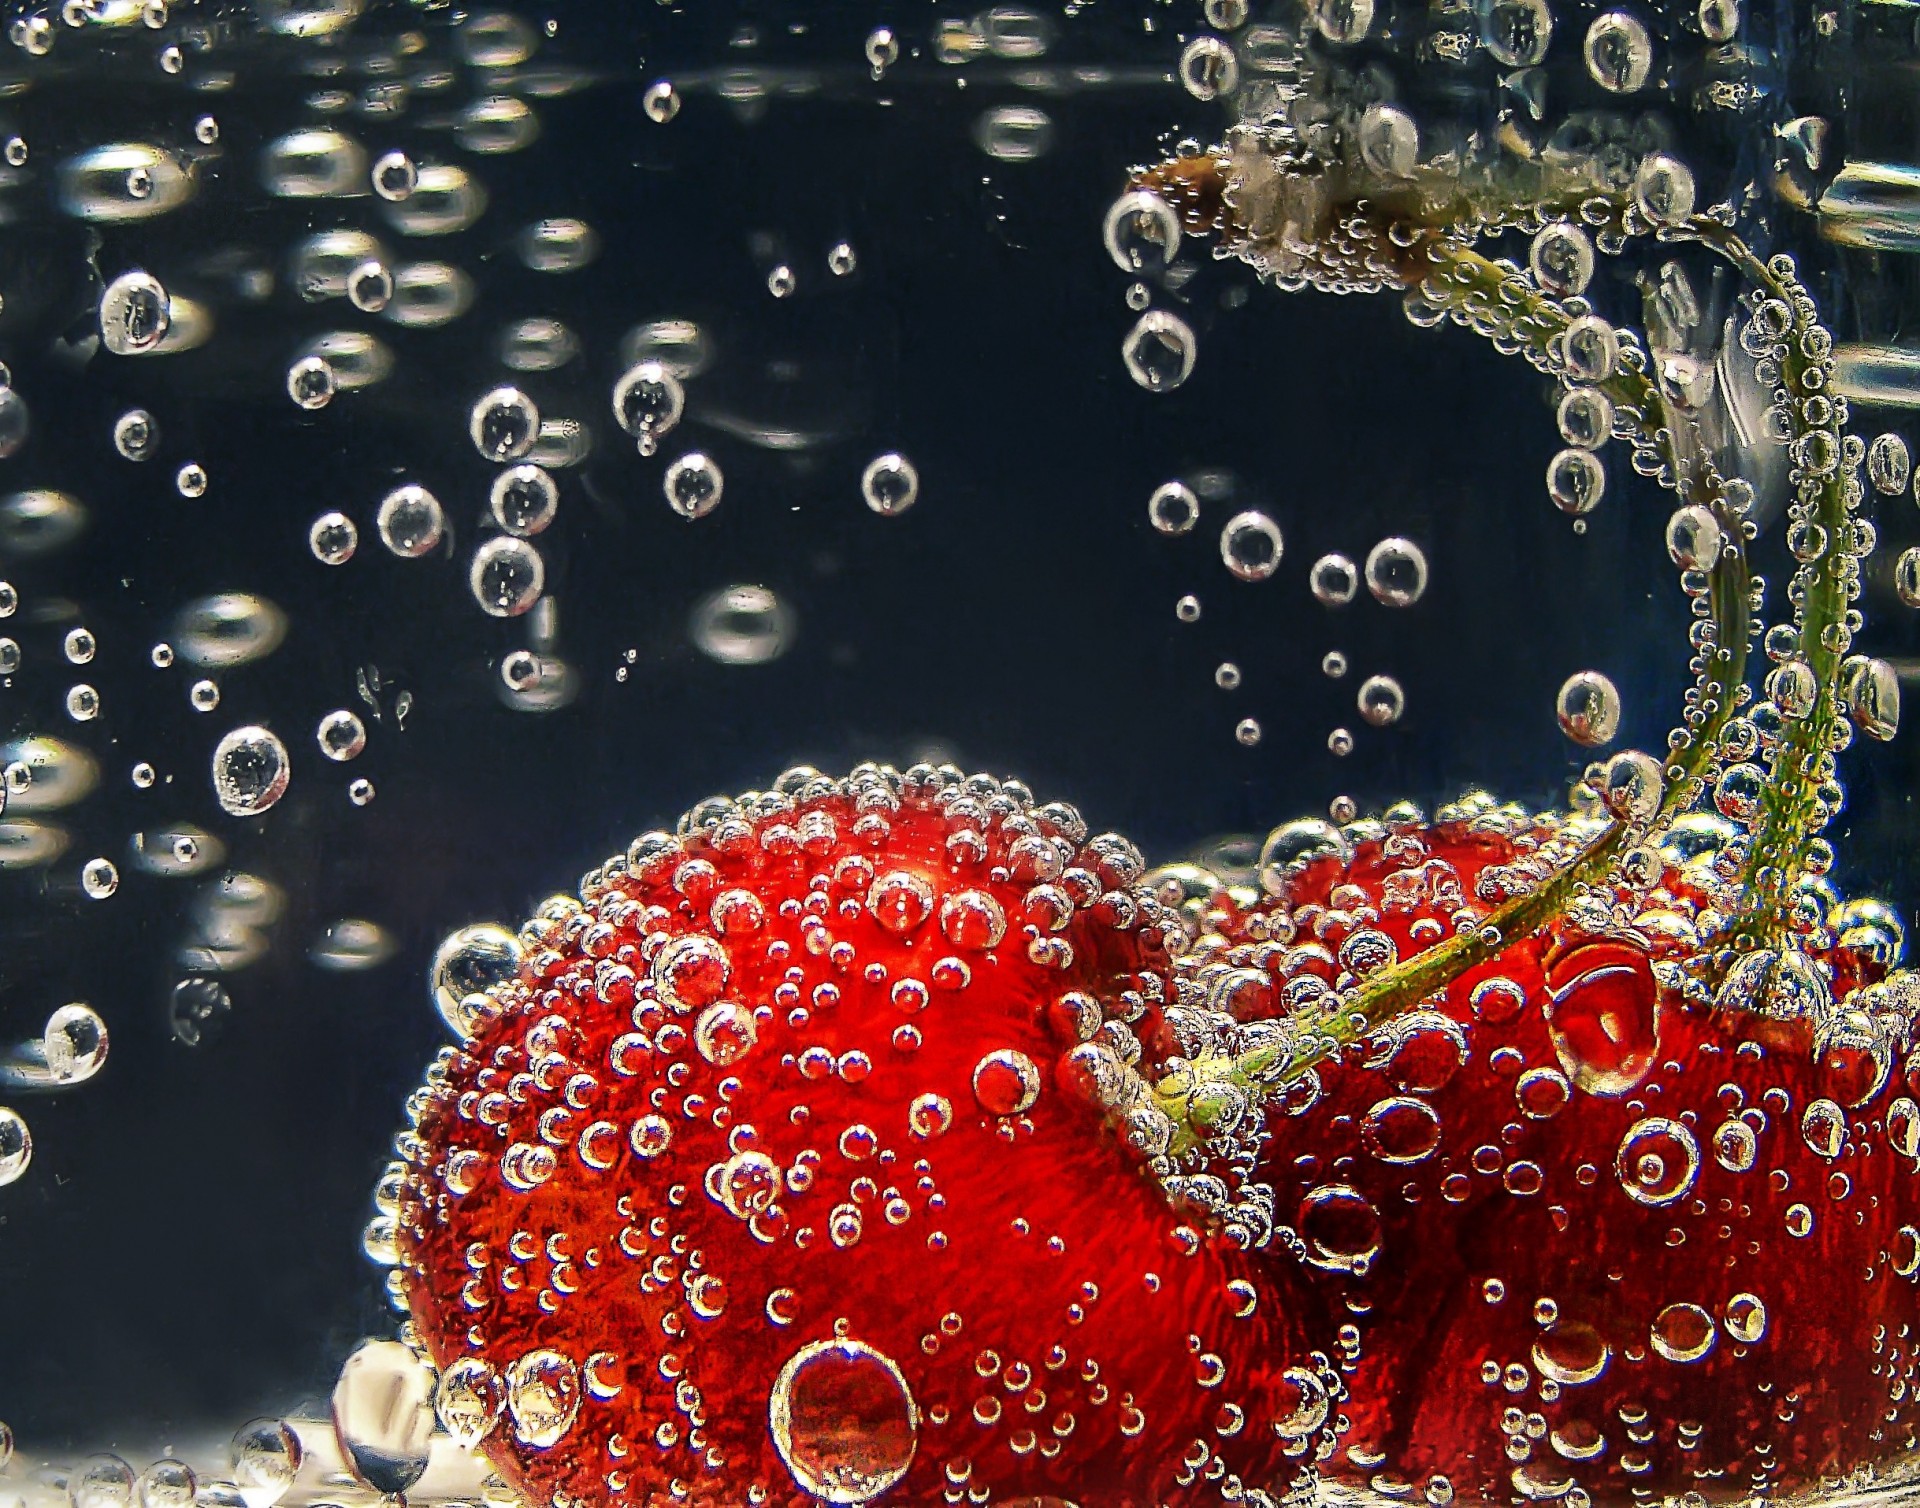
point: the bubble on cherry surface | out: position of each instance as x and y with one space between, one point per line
1251 545
1341 1229
1006 1082
1657 1162
251 771
843 1420
470 961
1159 351
1571 1353
1396 572
746 624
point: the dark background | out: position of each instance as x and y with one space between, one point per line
184 1252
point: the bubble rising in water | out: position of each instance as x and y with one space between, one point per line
843 1420
1588 708
1396 572
251 771
1381 700
341 735
1159 351
503 424
741 625
1334 580
333 538
197 1009
693 485
1142 232
135 314
507 577
411 521
648 401
890 484
1173 508
524 499
1251 546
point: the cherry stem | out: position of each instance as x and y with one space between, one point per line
1479 292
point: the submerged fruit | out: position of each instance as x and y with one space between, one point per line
1595 1236
794 1165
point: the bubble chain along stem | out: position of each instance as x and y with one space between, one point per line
1805 689
1477 291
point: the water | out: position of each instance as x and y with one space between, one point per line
439 445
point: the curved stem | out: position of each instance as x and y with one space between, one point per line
1469 287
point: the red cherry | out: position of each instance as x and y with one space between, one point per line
1601 1241
794 1166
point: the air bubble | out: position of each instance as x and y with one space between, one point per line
1142 233
1208 68
693 485
506 577
1619 54
411 521
843 1420
1381 700
135 314
1251 546
1173 508
503 424
250 771
341 735
1397 572
1588 708
1159 351
890 484
1334 580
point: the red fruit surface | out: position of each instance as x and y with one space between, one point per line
763 1182
1594 1240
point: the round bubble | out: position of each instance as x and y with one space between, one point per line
250 771
1159 351
1397 572
411 521
1251 545
507 576
890 484
741 625
693 485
